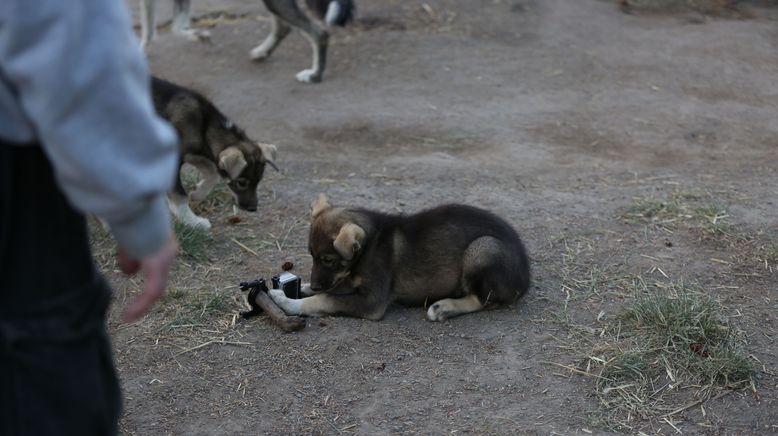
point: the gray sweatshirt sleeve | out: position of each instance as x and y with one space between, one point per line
84 86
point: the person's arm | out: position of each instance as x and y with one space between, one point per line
84 86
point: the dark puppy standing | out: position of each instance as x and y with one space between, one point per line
285 14
214 145
454 258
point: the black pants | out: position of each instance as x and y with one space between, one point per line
57 375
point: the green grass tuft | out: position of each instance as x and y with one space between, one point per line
713 219
678 321
672 339
194 242
681 208
652 209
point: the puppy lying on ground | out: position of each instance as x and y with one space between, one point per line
214 145
454 258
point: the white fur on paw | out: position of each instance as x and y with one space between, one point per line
194 34
308 76
437 312
278 296
305 289
262 51
291 307
185 214
202 223
257 54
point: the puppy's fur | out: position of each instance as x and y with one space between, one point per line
214 145
454 258
285 14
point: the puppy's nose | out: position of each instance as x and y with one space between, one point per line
316 287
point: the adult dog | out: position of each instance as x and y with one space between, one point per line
455 259
286 14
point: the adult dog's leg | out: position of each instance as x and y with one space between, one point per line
290 13
182 21
148 23
277 34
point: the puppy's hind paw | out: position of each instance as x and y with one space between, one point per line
309 76
437 312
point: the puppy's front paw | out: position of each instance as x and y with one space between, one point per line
305 290
200 223
437 312
291 307
309 76
278 296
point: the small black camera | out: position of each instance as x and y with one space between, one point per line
286 281
289 283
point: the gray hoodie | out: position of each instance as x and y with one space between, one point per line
73 79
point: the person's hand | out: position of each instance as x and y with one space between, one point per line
155 268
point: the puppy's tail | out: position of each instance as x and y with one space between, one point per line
333 12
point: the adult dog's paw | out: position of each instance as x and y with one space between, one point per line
193 34
309 76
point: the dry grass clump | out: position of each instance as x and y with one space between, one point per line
671 350
697 210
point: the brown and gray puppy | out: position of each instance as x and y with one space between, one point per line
455 259
214 145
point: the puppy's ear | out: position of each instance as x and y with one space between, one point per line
269 152
232 161
349 240
318 206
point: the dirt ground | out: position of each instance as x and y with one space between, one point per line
559 115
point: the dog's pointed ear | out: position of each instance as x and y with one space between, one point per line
349 240
232 161
318 206
269 152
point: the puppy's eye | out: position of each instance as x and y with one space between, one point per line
329 260
242 184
